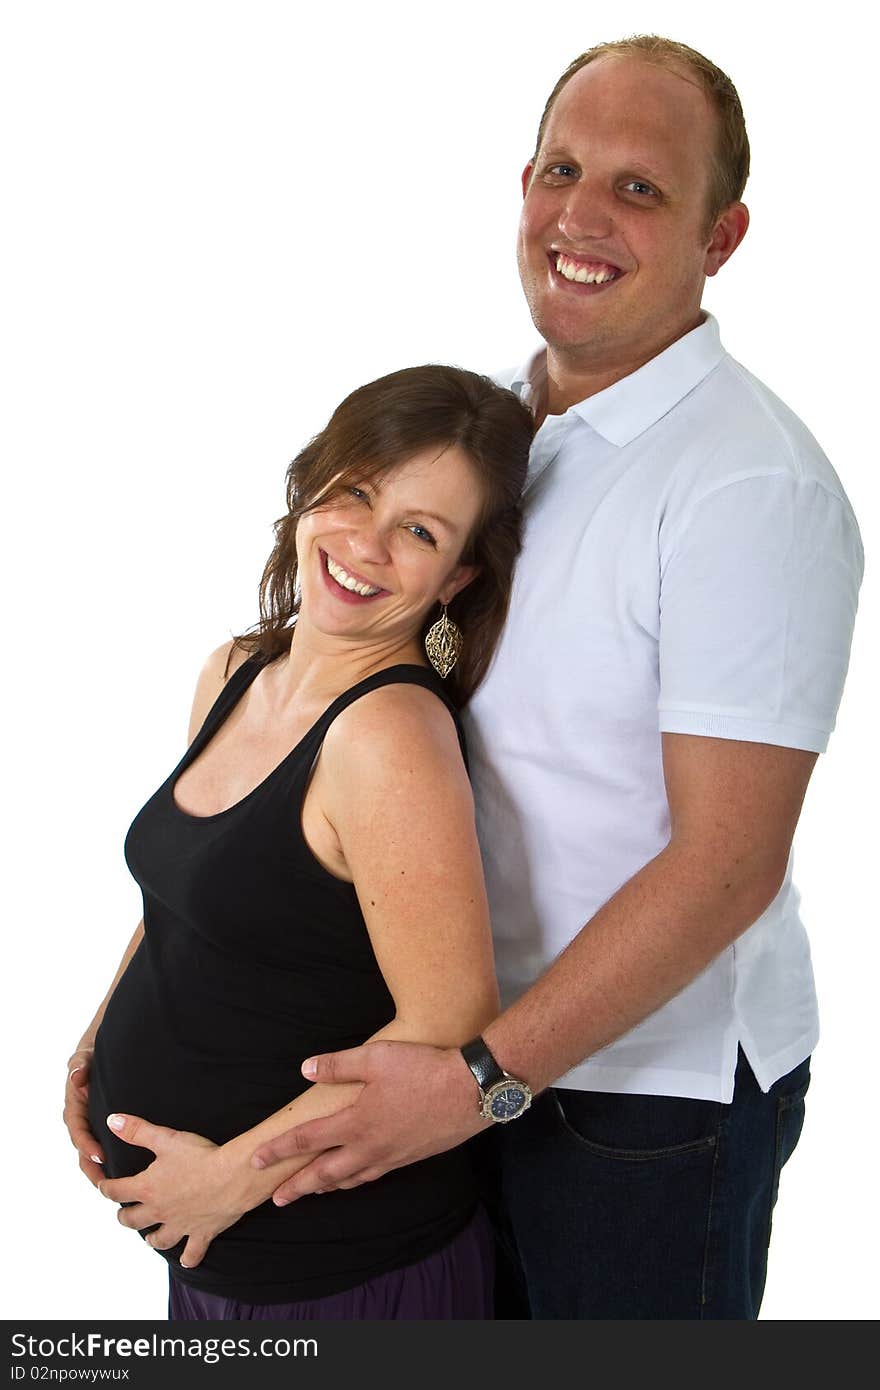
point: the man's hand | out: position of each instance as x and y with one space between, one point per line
76 1115
416 1101
185 1192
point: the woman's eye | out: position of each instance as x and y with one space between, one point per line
359 493
423 534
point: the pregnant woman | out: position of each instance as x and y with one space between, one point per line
311 877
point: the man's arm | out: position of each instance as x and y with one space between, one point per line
733 807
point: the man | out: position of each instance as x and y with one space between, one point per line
675 654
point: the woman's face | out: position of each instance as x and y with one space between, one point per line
376 559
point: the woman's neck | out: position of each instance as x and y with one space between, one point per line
319 667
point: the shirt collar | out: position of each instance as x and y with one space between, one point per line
632 405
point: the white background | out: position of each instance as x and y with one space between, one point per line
220 218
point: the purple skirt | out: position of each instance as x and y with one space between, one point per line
455 1282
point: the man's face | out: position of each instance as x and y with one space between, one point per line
618 193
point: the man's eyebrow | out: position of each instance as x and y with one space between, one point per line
635 169
555 154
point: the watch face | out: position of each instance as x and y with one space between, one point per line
508 1101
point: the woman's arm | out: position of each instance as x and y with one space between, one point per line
76 1091
392 785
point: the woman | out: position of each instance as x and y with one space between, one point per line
311 876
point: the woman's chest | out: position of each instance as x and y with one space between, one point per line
237 760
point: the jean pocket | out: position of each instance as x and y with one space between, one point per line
631 1128
790 1111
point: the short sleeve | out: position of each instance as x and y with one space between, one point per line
758 594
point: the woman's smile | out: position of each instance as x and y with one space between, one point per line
346 584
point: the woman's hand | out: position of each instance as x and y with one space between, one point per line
76 1114
190 1189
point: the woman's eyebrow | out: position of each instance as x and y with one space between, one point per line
433 516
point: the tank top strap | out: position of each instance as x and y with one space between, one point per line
403 674
231 693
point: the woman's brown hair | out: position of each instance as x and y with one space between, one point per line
380 426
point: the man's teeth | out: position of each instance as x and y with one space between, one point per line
348 581
582 274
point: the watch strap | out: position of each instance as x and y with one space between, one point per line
485 1069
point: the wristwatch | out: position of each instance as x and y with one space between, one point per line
502 1097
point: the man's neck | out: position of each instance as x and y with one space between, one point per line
572 378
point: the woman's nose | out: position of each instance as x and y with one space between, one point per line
369 541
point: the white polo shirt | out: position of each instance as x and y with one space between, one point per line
691 565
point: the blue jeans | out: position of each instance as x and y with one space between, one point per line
619 1206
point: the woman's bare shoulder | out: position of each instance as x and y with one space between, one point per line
392 726
214 674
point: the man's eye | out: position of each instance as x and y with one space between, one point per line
637 186
564 171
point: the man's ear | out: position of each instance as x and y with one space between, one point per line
728 232
526 177
458 580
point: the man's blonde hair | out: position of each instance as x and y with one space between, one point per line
730 163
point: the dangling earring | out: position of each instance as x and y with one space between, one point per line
443 643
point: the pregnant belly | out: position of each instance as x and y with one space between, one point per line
194 1069
168 1086
207 1058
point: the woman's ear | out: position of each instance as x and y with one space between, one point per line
459 579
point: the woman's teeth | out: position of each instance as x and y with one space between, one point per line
348 581
596 274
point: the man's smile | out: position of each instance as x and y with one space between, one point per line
578 270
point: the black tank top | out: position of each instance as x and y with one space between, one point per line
255 957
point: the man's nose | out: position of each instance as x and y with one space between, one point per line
586 213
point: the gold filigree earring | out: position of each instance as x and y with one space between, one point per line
443 644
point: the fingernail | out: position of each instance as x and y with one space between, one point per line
309 1066
73 1071
281 1201
257 1162
96 1159
116 1122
